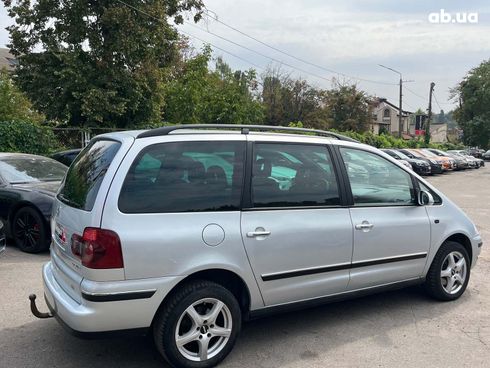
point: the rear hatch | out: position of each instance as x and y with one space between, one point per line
79 205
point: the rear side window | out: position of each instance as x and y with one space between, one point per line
292 175
185 177
85 175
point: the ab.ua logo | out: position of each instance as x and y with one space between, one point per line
444 18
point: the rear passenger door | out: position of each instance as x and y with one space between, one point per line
391 232
297 235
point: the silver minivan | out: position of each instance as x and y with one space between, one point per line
184 232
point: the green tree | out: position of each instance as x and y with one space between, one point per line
348 108
473 114
101 62
14 105
199 95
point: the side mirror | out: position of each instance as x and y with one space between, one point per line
425 198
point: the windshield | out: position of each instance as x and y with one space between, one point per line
29 169
402 155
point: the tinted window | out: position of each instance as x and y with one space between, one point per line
85 175
184 177
28 169
293 175
376 181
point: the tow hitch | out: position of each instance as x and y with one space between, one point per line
34 309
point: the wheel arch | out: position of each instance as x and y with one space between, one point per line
464 241
226 278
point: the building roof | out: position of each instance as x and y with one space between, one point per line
7 60
380 100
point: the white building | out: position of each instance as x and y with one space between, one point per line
385 118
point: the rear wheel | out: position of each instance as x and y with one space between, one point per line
449 273
198 325
29 231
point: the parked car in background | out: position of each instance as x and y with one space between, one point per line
461 162
420 166
435 165
486 156
66 157
156 232
475 152
3 238
446 162
28 185
475 163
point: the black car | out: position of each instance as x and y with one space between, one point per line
28 184
66 157
3 240
420 166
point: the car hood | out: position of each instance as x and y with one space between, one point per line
47 187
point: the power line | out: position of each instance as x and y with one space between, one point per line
190 35
259 53
215 18
415 94
437 102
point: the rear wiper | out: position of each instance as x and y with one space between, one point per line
22 182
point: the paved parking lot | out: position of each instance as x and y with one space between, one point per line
402 328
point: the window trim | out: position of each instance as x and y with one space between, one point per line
349 187
145 149
248 206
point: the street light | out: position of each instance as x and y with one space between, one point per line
400 123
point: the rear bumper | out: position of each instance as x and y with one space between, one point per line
107 315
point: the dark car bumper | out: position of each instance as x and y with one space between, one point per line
3 239
436 168
422 170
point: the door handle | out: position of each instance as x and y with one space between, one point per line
253 234
364 226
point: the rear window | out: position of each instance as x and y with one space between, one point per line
85 175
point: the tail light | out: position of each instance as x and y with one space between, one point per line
98 248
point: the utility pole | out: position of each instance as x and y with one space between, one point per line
429 117
400 111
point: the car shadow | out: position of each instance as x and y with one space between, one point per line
304 334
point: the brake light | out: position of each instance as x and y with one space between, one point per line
98 248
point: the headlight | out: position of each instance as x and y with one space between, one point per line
433 162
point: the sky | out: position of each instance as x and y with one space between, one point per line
350 37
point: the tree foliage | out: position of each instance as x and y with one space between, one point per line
100 62
200 95
27 137
14 105
473 114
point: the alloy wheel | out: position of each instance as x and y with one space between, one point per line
453 272
203 330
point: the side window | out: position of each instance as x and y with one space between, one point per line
288 175
184 177
437 198
376 181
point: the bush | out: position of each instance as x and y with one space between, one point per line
27 137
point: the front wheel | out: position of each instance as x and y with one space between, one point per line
198 326
449 273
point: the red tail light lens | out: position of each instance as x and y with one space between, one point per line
98 248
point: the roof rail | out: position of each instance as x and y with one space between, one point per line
245 129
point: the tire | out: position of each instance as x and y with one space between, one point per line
173 320
445 275
29 230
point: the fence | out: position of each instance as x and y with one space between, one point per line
78 137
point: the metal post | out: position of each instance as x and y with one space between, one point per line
400 121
